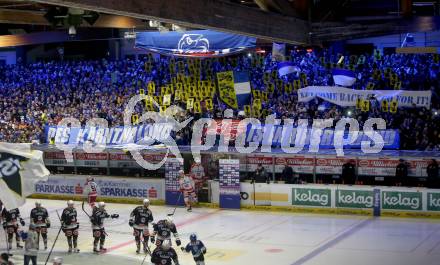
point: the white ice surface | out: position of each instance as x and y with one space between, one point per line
249 237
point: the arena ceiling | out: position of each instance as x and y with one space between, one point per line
290 21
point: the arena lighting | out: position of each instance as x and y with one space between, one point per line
72 31
154 23
178 28
349 113
309 50
435 113
249 54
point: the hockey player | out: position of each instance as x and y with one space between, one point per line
97 220
163 230
140 217
91 191
70 226
164 254
40 218
197 249
187 188
197 172
11 219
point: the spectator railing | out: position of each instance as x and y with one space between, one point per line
322 167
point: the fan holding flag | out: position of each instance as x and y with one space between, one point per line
20 169
343 77
234 88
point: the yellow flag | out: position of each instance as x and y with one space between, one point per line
197 107
149 106
205 94
180 78
288 88
270 87
256 112
179 86
365 106
135 119
256 104
296 84
163 109
178 95
247 110
158 100
226 88
167 100
141 91
151 88
384 106
256 93
359 103
163 90
393 106
189 103
185 96
208 104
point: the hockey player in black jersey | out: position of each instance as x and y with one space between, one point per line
11 226
97 220
164 254
40 218
197 249
70 226
140 217
163 230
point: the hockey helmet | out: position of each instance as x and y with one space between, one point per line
146 202
169 219
70 203
101 204
37 204
193 237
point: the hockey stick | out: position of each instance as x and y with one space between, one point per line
148 253
177 203
84 210
54 242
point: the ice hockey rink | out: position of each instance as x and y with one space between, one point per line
252 237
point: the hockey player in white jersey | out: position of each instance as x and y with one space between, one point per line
91 190
197 172
187 186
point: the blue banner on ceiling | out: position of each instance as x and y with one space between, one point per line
200 43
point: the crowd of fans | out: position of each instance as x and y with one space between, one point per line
38 94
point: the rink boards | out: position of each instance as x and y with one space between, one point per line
116 188
346 199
